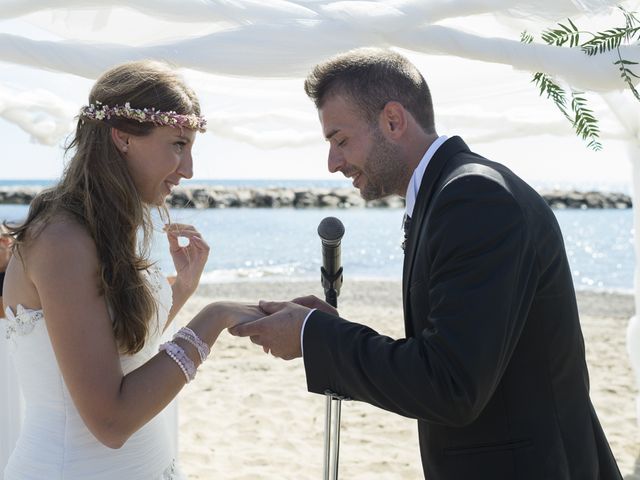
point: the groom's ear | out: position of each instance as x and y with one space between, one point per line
393 120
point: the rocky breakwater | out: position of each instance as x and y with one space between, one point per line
225 197
573 199
18 195
244 197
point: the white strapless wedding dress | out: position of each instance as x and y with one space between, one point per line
54 443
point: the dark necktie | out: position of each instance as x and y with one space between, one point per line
406 225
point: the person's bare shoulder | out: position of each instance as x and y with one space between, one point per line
60 228
61 244
58 253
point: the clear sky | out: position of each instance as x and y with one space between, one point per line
484 103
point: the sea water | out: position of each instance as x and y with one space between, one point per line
283 244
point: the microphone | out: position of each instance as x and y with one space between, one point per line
331 231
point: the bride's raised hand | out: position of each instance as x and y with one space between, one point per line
189 260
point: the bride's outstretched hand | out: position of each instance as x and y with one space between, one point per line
218 316
229 314
238 313
189 260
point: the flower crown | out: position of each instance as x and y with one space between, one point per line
145 115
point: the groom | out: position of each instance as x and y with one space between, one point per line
493 365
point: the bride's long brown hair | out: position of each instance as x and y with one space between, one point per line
97 190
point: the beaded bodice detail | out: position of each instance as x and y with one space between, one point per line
23 322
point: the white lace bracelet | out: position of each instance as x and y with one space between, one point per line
188 335
178 355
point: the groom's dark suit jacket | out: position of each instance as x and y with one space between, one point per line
493 364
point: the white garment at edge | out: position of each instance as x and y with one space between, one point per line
54 443
11 404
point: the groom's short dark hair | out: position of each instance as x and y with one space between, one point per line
371 77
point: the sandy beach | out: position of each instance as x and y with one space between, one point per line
249 416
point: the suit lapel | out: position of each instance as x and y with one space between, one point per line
430 180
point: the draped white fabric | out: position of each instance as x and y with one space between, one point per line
283 39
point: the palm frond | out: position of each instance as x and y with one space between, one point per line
526 37
582 118
560 36
608 40
553 91
585 124
630 19
627 74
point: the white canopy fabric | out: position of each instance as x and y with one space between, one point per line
256 40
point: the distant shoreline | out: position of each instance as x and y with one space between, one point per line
319 197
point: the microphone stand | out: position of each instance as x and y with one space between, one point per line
334 401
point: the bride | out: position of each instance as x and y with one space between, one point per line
85 307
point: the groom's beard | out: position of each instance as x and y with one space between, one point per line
384 171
